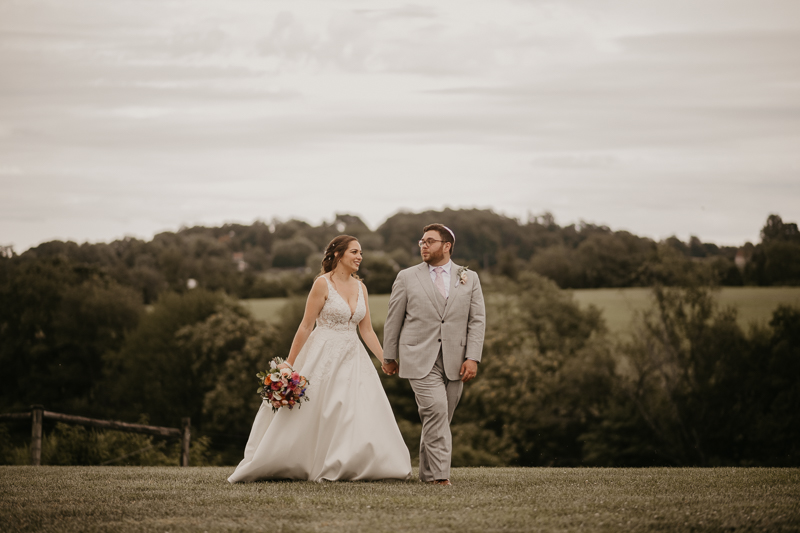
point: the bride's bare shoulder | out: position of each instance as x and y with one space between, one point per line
320 286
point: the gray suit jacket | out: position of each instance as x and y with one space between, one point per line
419 322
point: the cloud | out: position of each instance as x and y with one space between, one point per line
408 11
207 110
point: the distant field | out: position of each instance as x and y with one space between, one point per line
754 304
122 499
269 309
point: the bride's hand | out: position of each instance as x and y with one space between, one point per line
389 368
285 365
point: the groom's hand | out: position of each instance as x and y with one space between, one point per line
389 368
469 369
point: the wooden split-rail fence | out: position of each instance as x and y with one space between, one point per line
37 414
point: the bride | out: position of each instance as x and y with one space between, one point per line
346 431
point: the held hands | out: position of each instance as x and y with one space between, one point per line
389 369
469 369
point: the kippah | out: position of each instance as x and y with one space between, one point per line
451 232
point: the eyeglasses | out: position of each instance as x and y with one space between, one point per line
427 242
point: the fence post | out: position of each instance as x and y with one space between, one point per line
37 414
186 440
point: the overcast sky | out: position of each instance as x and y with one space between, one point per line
135 117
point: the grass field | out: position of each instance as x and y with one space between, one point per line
482 499
618 305
754 304
269 309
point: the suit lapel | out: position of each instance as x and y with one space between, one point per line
424 276
454 290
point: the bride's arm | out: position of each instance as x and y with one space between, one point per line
367 333
316 299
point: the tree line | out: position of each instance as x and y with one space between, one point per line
279 259
80 334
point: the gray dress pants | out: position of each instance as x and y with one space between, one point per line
437 398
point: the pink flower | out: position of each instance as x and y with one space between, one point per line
295 376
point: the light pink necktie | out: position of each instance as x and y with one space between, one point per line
439 281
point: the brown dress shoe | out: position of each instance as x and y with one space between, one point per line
444 482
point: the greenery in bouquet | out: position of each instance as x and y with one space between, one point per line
282 387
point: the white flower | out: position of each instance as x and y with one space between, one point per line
462 274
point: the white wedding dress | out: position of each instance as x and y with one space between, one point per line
346 431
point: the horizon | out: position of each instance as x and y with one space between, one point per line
374 228
655 118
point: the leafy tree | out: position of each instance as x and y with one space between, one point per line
781 263
508 264
694 390
292 253
611 259
575 256
196 354
696 247
227 349
673 371
724 271
353 225
534 394
290 229
667 266
776 261
479 233
557 264
56 323
151 373
771 392
776 229
378 271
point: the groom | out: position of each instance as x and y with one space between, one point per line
435 328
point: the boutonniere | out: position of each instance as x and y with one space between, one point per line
462 274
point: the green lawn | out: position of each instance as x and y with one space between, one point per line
482 499
618 305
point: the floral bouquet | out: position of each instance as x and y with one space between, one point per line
282 387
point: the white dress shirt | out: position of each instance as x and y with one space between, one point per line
445 277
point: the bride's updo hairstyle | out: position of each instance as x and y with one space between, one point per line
334 251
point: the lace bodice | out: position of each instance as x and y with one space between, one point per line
335 313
